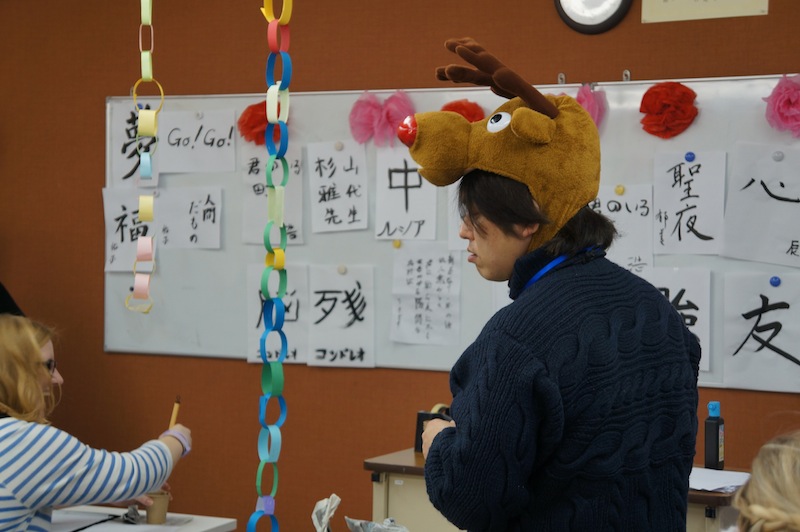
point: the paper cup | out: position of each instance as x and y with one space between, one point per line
157 512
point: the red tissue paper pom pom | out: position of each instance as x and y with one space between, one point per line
783 105
669 107
469 110
253 124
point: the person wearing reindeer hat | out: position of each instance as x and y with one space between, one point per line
576 406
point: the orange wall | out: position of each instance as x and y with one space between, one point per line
61 60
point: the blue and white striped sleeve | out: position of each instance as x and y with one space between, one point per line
52 468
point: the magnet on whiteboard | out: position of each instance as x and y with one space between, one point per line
397 244
619 190
342 269
199 115
775 281
339 145
777 156
689 156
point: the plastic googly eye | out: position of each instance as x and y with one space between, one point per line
498 122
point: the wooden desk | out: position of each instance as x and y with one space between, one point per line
398 491
196 523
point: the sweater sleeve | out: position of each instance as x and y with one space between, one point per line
506 410
48 467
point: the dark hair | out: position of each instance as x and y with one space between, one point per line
502 201
506 203
584 230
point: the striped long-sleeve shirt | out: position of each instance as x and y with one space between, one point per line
42 466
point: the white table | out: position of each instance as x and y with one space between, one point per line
180 522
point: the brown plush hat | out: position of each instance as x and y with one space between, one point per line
548 143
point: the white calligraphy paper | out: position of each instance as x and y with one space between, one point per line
342 331
189 217
425 288
123 228
688 204
125 154
632 214
762 339
337 186
295 320
405 205
689 292
183 217
254 200
197 141
763 205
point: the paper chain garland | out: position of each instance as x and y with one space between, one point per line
147 126
277 107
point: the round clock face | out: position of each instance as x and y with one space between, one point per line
592 16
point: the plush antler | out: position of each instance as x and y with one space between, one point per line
490 72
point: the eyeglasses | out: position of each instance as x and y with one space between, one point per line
50 365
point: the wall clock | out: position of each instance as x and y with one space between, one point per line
592 16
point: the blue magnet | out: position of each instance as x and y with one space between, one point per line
689 156
775 280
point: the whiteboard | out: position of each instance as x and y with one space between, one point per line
198 294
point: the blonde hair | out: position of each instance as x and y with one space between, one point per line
21 370
770 500
42 333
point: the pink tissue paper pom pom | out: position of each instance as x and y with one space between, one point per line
369 117
594 102
395 109
783 105
363 116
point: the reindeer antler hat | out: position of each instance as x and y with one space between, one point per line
548 143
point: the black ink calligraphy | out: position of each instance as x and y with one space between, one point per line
773 328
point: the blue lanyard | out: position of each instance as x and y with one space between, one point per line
547 267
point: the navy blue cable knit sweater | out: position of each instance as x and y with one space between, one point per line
575 408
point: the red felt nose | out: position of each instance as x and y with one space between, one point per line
407 131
